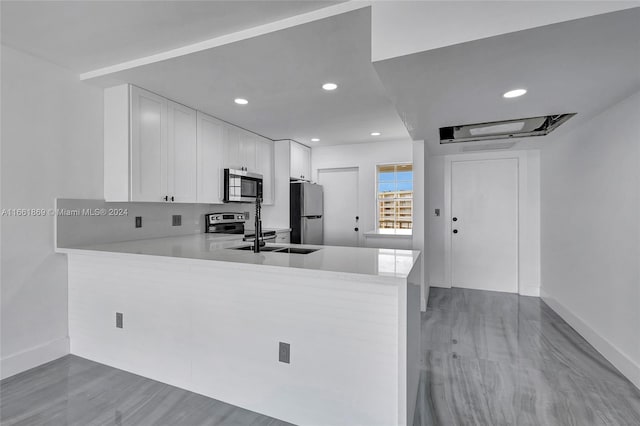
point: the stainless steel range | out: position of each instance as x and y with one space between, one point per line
233 223
224 223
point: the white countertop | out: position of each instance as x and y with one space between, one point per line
398 233
352 260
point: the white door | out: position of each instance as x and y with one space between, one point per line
340 187
148 146
181 153
484 224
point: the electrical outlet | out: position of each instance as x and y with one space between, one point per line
138 221
284 353
176 220
119 320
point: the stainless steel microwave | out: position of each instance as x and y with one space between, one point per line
241 186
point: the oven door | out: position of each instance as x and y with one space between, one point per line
241 186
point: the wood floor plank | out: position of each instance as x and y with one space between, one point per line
513 361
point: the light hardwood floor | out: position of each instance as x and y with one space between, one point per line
488 359
501 359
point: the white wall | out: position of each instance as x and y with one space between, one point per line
528 226
51 147
365 156
420 200
591 231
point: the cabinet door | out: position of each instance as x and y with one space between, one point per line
181 153
248 148
305 166
300 162
231 148
295 160
265 166
210 140
148 146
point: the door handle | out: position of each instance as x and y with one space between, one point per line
455 231
455 219
356 229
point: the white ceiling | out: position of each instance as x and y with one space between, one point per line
85 35
281 74
578 66
404 27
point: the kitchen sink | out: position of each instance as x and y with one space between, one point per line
278 249
265 248
296 250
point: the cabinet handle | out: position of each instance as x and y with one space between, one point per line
172 199
166 198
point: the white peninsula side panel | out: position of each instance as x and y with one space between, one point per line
215 327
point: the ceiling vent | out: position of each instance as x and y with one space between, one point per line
488 147
520 128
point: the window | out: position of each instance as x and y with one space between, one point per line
395 196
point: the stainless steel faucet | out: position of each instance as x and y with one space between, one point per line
258 241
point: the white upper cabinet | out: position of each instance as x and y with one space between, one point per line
210 141
265 166
181 153
158 150
239 149
244 150
300 161
148 146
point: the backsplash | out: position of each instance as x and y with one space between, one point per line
97 221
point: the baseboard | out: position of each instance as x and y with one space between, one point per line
25 360
628 367
529 290
440 285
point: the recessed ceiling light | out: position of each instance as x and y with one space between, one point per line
375 133
241 101
329 86
514 93
315 140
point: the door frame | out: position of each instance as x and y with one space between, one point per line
346 169
521 158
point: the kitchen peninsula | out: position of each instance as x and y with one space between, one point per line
201 315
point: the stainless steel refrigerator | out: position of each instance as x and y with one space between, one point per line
305 213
